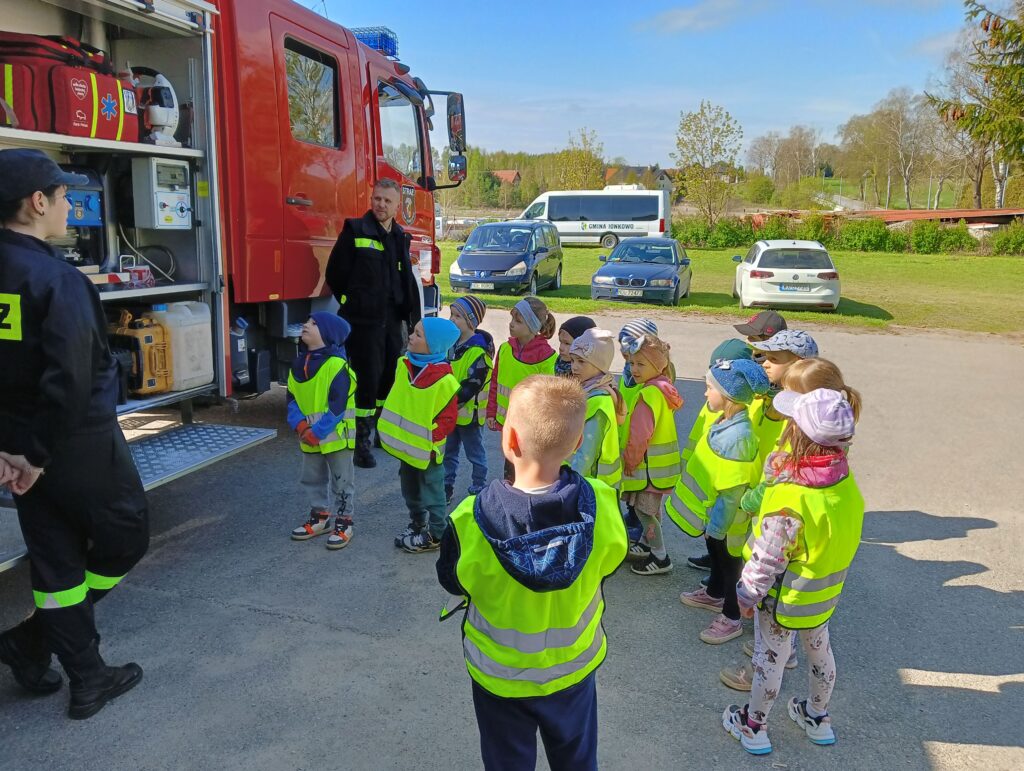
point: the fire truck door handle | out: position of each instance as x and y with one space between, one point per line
297 201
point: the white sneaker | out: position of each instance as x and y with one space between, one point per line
342 534
319 522
734 721
818 729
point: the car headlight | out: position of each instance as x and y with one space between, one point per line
603 280
519 269
661 282
455 270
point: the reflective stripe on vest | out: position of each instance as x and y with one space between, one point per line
609 459
832 519
706 475
518 642
475 409
408 417
312 396
629 396
660 464
511 371
368 243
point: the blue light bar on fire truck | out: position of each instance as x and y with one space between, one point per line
379 39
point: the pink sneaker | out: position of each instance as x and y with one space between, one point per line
721 630
699 598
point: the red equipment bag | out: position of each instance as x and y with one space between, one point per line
63 86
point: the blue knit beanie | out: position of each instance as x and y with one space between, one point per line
739 380
441 335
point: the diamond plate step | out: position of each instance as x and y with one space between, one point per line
160 459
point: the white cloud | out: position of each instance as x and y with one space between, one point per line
937 45
701 16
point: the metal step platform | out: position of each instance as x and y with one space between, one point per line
160 458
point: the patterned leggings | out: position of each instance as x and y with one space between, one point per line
772 647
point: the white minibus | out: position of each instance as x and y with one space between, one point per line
603 216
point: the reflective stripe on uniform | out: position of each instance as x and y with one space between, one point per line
361 413
802 584
806 611
609 469
539 676
539 641
407 449
96 581
369 243
409 426
65 598
690 522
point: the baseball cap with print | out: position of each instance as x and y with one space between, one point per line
763 323
824 415
793 340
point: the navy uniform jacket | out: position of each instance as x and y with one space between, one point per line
57 376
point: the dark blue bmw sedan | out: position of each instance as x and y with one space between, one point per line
645 269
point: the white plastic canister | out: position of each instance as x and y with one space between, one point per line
191 342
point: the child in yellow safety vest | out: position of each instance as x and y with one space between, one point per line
803 542
321 410
418 415
651 455
526 353
722 467
802 377
527 561
471 358
599 455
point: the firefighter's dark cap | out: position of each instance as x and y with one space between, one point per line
23 172
763 324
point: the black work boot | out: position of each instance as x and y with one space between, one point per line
24 650
93 683
376 431
363 457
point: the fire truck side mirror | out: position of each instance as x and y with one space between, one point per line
456 123
457 168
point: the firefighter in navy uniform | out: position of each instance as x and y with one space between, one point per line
80 501
370 274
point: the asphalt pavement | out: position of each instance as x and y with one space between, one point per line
263 653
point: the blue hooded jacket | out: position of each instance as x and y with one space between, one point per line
542 540
335 331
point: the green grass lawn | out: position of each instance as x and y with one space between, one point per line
918 192
928 291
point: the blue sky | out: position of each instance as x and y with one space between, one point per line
533 72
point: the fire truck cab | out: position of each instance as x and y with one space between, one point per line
261 127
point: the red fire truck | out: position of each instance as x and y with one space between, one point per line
261 126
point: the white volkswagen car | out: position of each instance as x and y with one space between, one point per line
786 273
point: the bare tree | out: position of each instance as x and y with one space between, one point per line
764 152
902 119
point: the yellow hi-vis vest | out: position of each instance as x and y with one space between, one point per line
707 474
511 372
609 460
660 465
629 396
407 420
766 430
311 397
519 642
697 430
474 410
832 519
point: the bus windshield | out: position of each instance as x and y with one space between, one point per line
498 238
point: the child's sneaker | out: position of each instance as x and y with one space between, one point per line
818 729
748 648
411 529
703 562
638 552
420 542
739 678
699 598
319 523
342 534
721 630
652 566
734 721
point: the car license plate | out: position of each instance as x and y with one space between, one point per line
484 285
794 288
631 293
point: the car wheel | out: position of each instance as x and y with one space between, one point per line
609 240
675 297
687 292
533 285
739 294
558 277
735 293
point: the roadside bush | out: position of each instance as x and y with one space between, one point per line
1008 240
814 228
804 194
925 236
898 241
774 227
867 235
958 239
758 189
692 232
729 232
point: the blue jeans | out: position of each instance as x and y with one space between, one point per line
470 437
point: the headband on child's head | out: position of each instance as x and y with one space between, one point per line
529 317
631 345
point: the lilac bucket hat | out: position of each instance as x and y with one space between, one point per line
822 414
